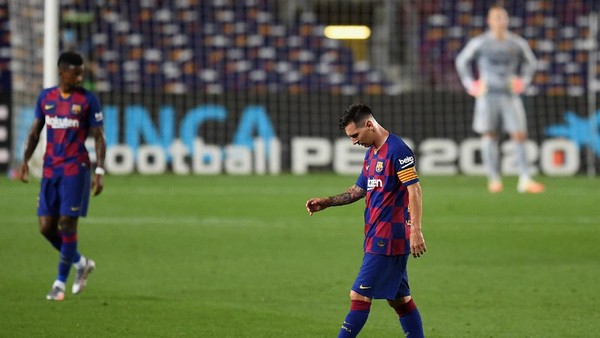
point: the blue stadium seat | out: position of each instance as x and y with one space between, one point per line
232 45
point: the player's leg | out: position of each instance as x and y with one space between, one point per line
490 155
49 229
77 194
519 138
410 318
68 232
73 203
405 307
360 297
360 306
515 123
485 122
48 211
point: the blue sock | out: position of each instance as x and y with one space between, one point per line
356 319
56 241
68 250
76 257
410 319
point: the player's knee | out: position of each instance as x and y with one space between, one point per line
399 301
355 296
46 230
359 302
403 305
48 226
67 224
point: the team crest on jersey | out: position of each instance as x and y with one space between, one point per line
381 244
75 109
379 166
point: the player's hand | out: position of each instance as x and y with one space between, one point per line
477 88
24 173
417 243
517 85
315 204
97 184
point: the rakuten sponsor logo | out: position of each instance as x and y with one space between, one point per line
61 122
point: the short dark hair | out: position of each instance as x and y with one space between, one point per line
357 113
70 59
497 5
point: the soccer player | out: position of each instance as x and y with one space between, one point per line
70 113
389 183
499 53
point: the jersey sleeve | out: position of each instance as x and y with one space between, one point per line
404 164
465 58
529 61
96 118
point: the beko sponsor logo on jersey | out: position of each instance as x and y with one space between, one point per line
407 161
373 183
61 122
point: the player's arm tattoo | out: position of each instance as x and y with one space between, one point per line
353 194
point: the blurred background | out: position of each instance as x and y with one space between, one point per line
257 86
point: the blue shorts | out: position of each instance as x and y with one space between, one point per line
65 195
382 277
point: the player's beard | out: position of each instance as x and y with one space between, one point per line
69 88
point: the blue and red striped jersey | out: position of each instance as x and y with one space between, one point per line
68 122
385 176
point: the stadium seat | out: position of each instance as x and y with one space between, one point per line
234 45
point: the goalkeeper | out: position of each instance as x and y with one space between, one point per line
499 54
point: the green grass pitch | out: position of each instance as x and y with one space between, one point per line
231 256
